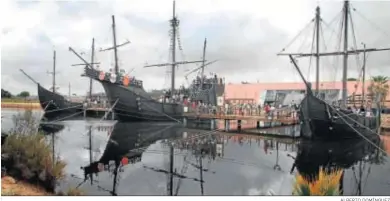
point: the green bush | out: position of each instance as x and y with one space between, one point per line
25 123
29 156
34 153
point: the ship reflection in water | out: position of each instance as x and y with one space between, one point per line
108 158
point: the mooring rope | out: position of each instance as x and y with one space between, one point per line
361 135
367 128
62 108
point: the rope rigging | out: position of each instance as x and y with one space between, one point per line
369 21
299 33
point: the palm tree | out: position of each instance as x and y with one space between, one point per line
379 87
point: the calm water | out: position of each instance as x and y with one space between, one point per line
232 164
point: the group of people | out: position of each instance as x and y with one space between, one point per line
361 110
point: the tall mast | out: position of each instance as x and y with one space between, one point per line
318 50
54 72
115 46
92 58
69 94
204 56
174 24
364 74
203 62
345 63
345 52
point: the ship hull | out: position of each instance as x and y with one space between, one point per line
134 104
322 122
56 106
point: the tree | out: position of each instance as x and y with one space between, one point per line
379 86
24 94
5 94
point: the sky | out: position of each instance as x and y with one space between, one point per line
244 36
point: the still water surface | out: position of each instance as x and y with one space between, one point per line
233 164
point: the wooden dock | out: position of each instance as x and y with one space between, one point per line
98 109
98 112
239 122
285 119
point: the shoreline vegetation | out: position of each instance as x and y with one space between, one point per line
29 164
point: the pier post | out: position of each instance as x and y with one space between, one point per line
85 106
227 125
239 125
212 126
185 121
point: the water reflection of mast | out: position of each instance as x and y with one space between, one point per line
90 149
171 173
277 166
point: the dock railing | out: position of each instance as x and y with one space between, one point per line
278 113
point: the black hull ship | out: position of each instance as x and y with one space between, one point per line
127 96
321 121
133 103
125 146
325 119
56 106
331 156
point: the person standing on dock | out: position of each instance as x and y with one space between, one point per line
259 109
267 109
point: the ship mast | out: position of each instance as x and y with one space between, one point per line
318 18
54 72
115 47
364 74
92 60
203 63
204 57
345 53
345 62
174 23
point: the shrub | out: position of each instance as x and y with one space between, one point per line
29 155
25 123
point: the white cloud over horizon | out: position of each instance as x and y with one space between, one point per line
244 36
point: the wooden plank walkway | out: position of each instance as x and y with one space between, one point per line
282 118
98 109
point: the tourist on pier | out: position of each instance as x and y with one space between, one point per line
259 109
267 109
226 108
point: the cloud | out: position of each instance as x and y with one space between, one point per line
244 37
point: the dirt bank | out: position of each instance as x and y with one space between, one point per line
9 186
35 106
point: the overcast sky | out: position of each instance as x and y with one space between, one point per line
244 36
